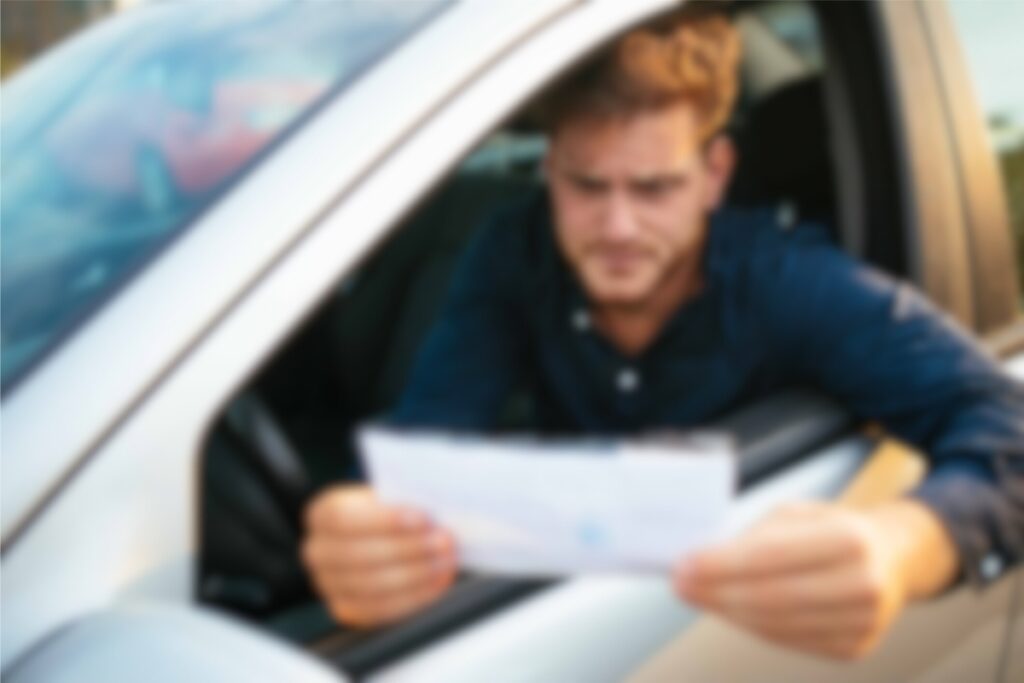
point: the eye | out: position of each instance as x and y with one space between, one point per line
656 188
650 190
588 186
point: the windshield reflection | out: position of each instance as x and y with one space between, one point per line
113 143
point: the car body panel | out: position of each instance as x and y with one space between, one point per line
166 644
1013 655
926 645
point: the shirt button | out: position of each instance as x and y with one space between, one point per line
991 566
786 215
628 380
581 320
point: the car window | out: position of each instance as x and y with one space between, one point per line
990 37
781 44
113 143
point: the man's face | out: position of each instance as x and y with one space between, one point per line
631 198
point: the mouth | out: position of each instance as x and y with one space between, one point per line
617 260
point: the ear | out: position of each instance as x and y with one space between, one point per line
720 161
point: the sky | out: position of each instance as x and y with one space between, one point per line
992 35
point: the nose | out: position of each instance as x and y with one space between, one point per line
620 222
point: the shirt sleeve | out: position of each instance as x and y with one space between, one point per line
472 357
889 355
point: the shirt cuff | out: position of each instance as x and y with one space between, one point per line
985 525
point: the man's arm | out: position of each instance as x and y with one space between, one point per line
821 577
889 355
373 563
830 579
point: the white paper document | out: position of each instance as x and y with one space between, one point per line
523 507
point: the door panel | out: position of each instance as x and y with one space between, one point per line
166 644
1013 655
962 636
909 652
954 639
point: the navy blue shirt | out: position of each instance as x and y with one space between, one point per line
781 306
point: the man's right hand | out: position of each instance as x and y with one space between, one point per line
372 563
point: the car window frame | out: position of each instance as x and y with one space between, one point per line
1000 316
953 226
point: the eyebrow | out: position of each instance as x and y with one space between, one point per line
584 177
670 176
663 178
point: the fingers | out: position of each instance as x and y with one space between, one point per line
373 563
381 610
839 634
817 578
387 580
785 543
833 647
822 624
833 587
355 510
367 552
813 613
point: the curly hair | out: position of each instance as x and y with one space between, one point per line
690 56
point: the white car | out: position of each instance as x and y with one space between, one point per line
186 349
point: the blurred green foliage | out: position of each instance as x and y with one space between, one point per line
28 27
1012 162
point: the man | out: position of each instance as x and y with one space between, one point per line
628 300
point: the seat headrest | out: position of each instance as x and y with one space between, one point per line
784 152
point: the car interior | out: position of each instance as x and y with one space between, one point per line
288 433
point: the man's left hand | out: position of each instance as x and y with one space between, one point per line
823 578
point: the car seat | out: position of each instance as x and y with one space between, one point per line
254 488
784 153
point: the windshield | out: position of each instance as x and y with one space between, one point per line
115 141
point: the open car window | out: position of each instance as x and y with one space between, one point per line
290 431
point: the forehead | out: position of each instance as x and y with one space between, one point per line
661 140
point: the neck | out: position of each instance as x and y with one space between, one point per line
633 328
